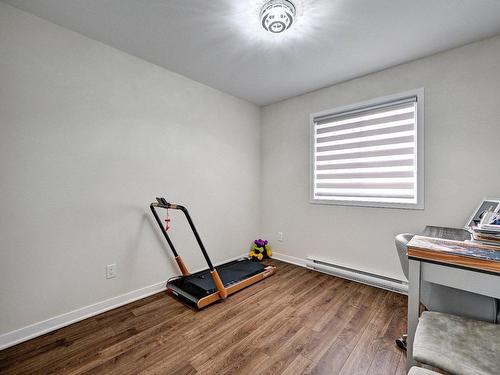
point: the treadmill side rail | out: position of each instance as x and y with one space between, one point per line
268 271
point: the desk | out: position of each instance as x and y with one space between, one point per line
443 256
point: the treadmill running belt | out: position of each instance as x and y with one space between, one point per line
229 273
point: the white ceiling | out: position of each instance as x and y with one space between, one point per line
220 42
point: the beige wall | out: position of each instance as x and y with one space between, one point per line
88 137
462 141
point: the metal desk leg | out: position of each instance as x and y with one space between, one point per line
413 308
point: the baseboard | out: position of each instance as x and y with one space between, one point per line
289 259
37 329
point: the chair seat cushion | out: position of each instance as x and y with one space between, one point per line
421 371
457 345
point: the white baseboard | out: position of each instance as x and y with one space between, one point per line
37 329
289 259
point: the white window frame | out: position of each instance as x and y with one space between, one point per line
420 150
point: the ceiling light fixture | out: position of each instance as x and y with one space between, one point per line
277 16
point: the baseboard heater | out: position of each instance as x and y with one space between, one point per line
378 281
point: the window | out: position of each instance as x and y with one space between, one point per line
370 154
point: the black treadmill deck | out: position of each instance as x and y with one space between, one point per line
200 284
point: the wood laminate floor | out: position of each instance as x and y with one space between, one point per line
295 322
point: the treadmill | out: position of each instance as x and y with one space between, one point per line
205 287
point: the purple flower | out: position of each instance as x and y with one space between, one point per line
260 242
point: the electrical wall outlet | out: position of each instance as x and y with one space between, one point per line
111 271
280 236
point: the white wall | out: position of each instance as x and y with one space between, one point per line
88 137
462 140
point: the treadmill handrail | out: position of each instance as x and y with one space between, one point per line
165 234
162 203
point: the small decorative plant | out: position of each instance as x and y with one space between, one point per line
260 250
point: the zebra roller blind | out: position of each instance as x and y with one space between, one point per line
367 156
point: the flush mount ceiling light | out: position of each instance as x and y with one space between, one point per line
277 16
